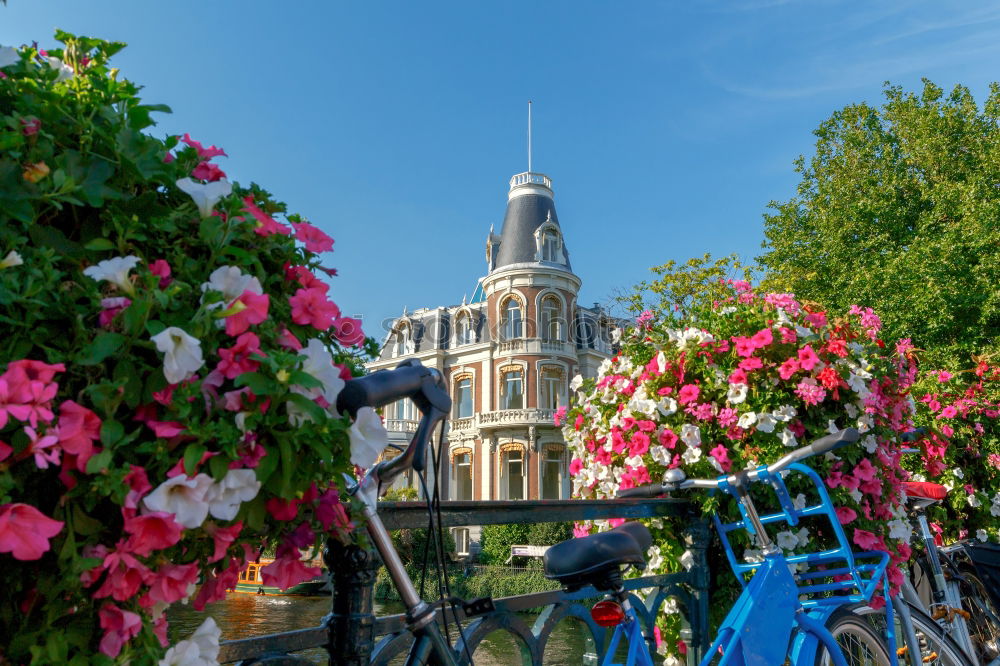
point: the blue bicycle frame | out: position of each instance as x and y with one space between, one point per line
631 629
796 607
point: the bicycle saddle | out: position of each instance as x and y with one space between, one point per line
596 559
924 490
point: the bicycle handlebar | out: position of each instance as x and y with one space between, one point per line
674 479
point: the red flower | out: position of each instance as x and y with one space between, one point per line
348 331
287 572
172 581
208 171
119 628
254 312
79 428
25 531
829 377
236 359
203 153
152 531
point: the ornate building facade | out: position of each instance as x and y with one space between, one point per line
508 354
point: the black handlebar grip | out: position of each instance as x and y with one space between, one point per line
834 441
647 491
381 388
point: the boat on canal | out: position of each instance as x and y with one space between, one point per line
251 582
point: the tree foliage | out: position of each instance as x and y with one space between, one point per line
678 287
899 210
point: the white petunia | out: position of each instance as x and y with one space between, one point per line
687 560
8 56
181 353
753 555
201 649
804 332
616 335
236 487
900 529
205 195
368 438
231 282
737 393
747 419
729 309
973 500
576 383
186 498
765 422
691 455
666 406
12 259
787 540
958 472
318 363
799 502
691 434
646 407
870 444
114 270
785 413
65 71
661 362
788 438
855 495
660 454
982 535
851 409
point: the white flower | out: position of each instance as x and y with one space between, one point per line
747 419
765 422
8 56
788 438
202 649
785 413
647 407
12 259
318 363
804 332
368 438
900 529
870 443
186 498
205 195
182 353
958 472
616 335
687 559
865 423
729 309
787 540
660 454
236 487
666 406
753 555
851 409
981 535
855 495
231 282
114 270
661 362
65 71
973 500
691 434
737 393
691 455
799 502
576 383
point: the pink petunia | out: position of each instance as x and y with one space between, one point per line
43 447
288 340
810 392
948 412
111 308
788 336
727 416
208 171
667 438
161 269
282 509
638 444
313 238
348 331
721 455
751 364
120 626
762 338
203 153
816 319
744 346
236 360
807 358
152 531
25 531
253 311
266 225
846 514
866 540
330 511
575 466
172 581
287 572
688 393
304 277
944 376
215 586
79 428
222 537
788 368
311 307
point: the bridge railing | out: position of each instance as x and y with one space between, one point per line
353 636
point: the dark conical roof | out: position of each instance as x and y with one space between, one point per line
529 205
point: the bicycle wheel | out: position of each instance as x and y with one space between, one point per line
936 647
984 619
860 643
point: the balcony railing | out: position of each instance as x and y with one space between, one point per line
504 417
355 637
535 346
530 178
401 425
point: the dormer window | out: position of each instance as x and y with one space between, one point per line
550 247
463 330
404 342
549 243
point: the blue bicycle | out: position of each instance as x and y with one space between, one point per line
781 617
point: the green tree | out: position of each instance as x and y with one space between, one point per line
678 287
899 210
412 544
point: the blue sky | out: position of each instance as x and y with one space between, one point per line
667 127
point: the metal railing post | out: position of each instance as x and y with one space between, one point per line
697 537
351 623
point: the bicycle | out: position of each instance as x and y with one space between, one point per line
820 628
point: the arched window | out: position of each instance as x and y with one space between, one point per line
551 385
404 341
461 470
553 472
511 319
513 475
463 330
512 389
463 397
550 247
551 324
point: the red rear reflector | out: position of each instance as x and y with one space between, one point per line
607 613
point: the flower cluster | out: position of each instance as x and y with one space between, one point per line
737 385
169 372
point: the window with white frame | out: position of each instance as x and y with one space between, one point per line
463 397
550 246
463 330
551 324
511 327
404 342
461 536
512 473
461 470
404 410
551 383
512 389
552 472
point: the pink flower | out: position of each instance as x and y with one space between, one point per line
30 126
744 346
948 412
864 470
165 429
236 360
788 368
846 514
288 340
762 338
810 392
752 363
282 509
788 336
807 358
304 277
139 485
575 465
254 311
25 531
668 438
786 302
816 319
866 540
215 586
638 444
688 393
330 511
223 538
125 576
287 572
172 582
310 307
208 171
348 331
560 415
580 531
161 269
721 455
79 428
727 417
119 627
111 309
43 447
203 153
314 239
266 226
152 531
738 376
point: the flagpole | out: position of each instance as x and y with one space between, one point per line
529 136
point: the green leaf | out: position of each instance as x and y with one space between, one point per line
304 379
315 412
192 456
287 465
111 432
84 524
255 512
52 237
104 345
267 465
99 462
218 466
258 383
99 244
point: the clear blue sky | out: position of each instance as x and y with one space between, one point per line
394 126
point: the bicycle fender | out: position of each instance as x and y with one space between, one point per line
804 644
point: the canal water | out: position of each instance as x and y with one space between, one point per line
245 615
